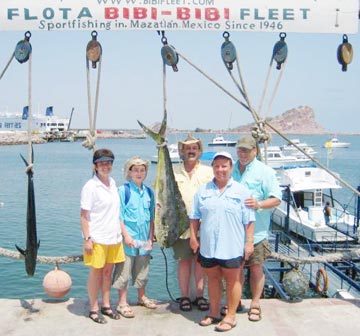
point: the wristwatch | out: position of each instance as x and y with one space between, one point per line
87 238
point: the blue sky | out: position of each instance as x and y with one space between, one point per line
131 79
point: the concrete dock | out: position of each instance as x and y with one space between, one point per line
320 317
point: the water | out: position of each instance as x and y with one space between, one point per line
61 169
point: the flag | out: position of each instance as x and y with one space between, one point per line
25 113
49 111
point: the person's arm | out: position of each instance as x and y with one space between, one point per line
269 203
84 218
249 240
194 228
128 240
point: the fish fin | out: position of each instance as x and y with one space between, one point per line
23 252
32 157
26 163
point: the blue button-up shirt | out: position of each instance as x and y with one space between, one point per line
261 180
223 216
136 215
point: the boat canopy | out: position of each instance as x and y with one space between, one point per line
307 178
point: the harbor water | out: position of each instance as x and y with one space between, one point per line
60 171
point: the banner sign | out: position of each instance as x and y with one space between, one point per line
303 16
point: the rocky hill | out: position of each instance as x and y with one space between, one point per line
300 120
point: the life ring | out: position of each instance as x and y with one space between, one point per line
322 282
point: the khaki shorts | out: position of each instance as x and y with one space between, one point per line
182 250
135 268
104 254
261 253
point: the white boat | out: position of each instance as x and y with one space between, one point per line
291 148
17 122
219 140
335 143
306 191
174 154
276 159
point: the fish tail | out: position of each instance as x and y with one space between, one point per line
23 252
158 137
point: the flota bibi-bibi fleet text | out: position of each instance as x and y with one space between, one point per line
190 18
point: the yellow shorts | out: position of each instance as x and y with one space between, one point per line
104 254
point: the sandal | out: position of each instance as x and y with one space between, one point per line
209 320
109 312
185 304
125 310
224 309
147 303
201 303
225 326
97 317
256 313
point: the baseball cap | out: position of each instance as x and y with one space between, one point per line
222 154
246 142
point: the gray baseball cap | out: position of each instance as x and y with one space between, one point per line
246 142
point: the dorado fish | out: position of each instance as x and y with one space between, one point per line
32 244
171 219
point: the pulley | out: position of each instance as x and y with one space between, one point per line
228 51
23 49
280 51
93 50
169 55
345 53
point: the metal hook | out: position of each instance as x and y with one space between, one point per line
163 37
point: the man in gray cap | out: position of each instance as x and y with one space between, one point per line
266 194
189 175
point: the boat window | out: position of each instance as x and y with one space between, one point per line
308 199
299 199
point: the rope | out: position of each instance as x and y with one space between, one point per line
89 143
7 65
331 257
29 121
213 81
275 90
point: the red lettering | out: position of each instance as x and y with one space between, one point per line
183 13
198 13
140 13
153 13
212 14
111 13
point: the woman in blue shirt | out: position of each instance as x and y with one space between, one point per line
226 237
